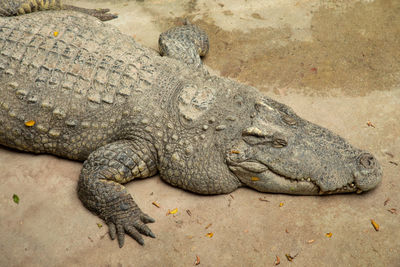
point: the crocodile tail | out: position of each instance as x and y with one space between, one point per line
20 7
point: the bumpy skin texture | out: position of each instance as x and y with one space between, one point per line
92 94
20 7
186 43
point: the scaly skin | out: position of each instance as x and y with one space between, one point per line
92 94
20 7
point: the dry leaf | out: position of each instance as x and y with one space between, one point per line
328 234
288 257
155 204
386 201
210 235
277 261
310 241
393 211
255 178
99 225
375 225
370 124
234 151
197 261
263 199
281 204
286 231
389 154
208 226
30 123
189 212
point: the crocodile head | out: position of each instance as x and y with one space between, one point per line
280 152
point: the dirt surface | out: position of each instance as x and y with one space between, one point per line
336 63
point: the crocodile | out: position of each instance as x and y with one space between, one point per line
20 7
79 89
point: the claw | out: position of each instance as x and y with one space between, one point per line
144 229
112 231
146 218
135 234
121 235
151 234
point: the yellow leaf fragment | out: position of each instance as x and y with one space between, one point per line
375 225
370 124
30 123
281 204
210 234
99 225
288 257
277 260
197 261
328 234
291 256
174 211
55 34
155 204
234 151
255 178
310 241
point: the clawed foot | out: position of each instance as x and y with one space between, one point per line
100 13
134 225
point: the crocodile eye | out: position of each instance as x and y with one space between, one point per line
254 140
254 136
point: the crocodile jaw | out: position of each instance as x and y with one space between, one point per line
260 177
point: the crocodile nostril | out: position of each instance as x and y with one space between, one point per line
279 141
367 161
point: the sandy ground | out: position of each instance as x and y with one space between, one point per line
337 63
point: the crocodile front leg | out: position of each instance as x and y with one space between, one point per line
100 187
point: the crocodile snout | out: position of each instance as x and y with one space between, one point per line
368 172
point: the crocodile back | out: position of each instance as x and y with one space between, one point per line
65 81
